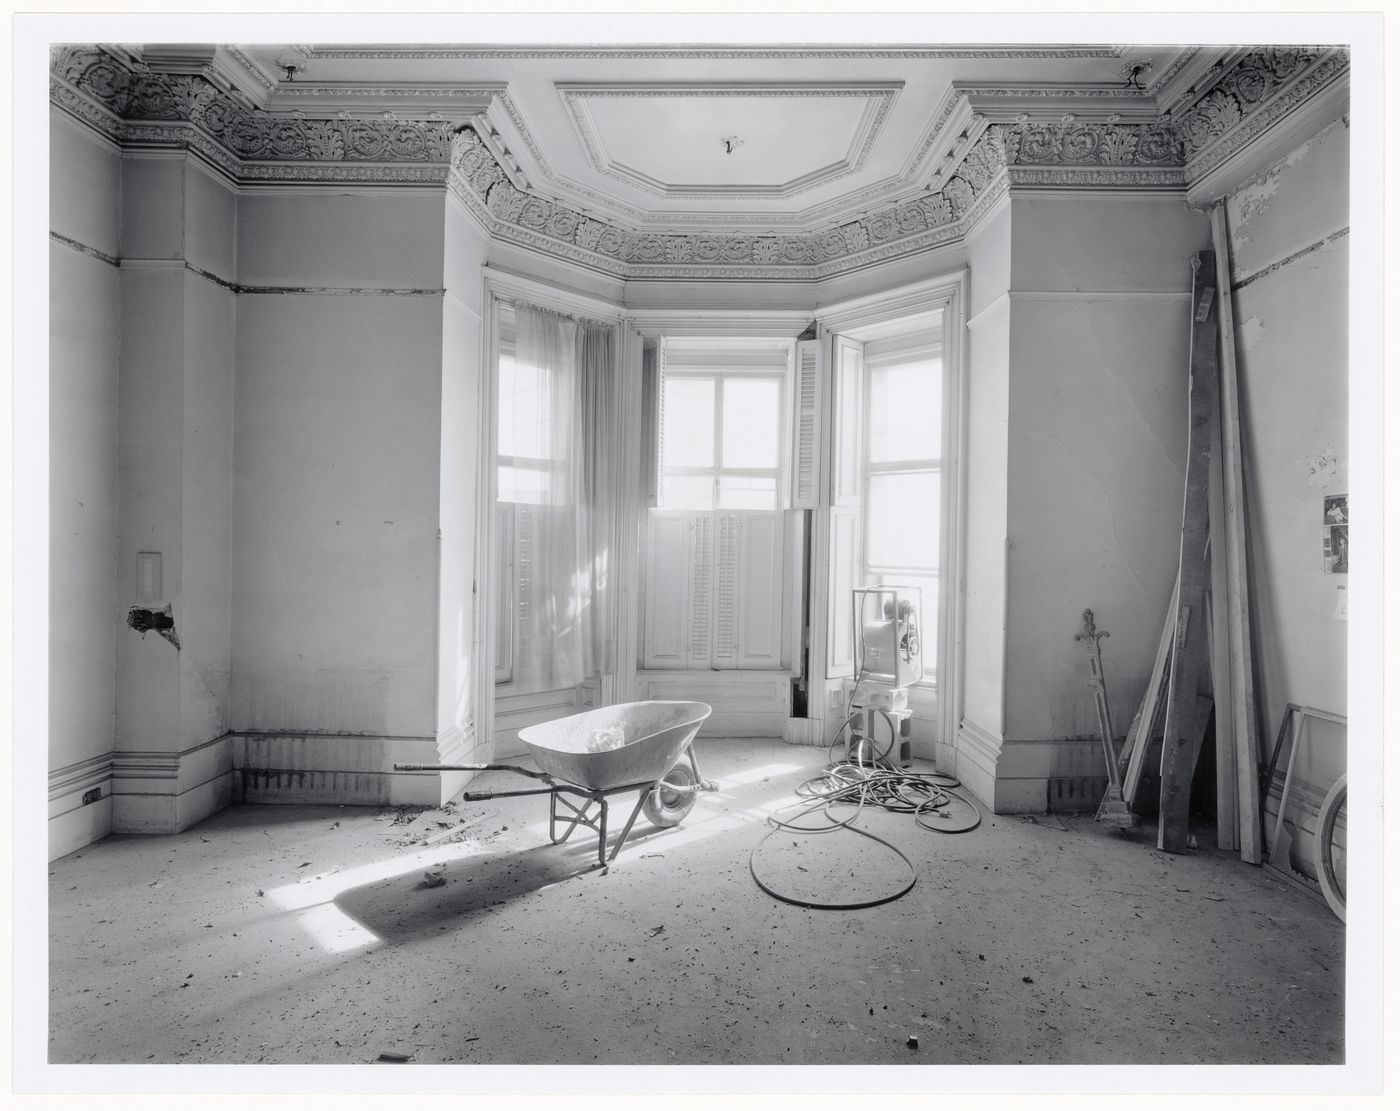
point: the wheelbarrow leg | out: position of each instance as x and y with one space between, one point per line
577 816
602 831
628 827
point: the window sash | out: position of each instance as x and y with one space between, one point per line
718 472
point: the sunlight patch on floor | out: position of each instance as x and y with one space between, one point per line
312 900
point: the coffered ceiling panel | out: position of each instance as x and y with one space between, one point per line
726 141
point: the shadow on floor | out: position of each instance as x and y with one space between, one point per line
405 908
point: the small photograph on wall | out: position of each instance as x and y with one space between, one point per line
1335 518
1334 550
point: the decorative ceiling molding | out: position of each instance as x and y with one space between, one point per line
429 101
1158 84
1064 153
878 97
1248 98
705 52
172 108
993 140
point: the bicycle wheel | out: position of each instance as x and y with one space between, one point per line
1334 884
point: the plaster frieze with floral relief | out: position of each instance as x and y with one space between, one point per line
1259 89
133 105
136 96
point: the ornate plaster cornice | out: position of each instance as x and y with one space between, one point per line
174 108
1066 153
707 53
1253 94
1018 137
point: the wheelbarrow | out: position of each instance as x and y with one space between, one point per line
633 746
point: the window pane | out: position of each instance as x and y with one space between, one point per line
751 422
523 410
748 491
688 428
906 411
902 522
522 484
684 491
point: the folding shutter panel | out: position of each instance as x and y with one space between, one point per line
658 461
651 428
726 579
701 603
845 556
759 613
847 421
665 641
524 572
505 590
807 425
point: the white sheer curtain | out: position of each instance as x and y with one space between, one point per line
564 571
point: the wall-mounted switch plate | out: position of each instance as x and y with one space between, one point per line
148 576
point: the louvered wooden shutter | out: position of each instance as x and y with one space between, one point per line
658 462
701 604
666 639
524 575
505 590
845 562
726 579
759 609
848 367
806 425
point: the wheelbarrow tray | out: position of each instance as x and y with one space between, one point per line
655 735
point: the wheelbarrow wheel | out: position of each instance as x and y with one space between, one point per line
665 807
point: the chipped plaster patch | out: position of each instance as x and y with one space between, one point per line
1325 468
1251 200
1249 333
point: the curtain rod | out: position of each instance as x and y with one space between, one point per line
578 318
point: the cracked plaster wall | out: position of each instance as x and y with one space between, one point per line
336 464
1291 308
1099 334
465 251
84 333
984 630
175 452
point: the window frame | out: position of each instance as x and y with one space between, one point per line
551 469
719 374
875 357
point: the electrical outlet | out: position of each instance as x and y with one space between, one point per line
92 796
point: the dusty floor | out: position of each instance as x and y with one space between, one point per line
309 934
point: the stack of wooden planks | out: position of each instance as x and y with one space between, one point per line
1205 656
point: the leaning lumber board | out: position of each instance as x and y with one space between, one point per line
1243 712
1227 781
1178 751
1150 712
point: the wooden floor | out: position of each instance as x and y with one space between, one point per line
311 935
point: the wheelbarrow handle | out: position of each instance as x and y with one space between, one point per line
474 768
482 796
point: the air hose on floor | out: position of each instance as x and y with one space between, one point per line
876 782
